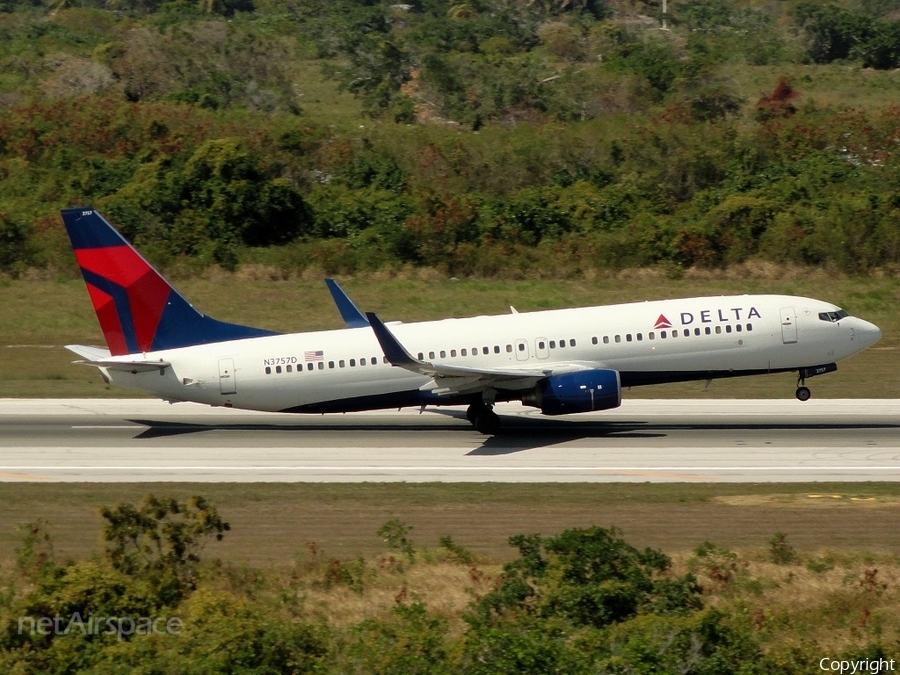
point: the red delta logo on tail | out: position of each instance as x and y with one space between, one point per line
138 309
119 281
662 322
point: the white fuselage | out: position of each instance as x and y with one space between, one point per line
646 342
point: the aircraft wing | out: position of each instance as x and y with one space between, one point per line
101 358
453 379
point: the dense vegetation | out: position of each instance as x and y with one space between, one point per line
485 137
582 601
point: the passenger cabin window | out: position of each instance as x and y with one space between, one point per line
696 331
552 344
353 362
606 339
309 366
521 346
594 340
496 349
509 349
628 337
651 335
341 363
542 344
452 352
268 370
708 330
718 330
485 350
321 365
618 338
464 352
443 354
571 343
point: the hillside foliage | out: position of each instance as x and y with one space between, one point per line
582 601
487 138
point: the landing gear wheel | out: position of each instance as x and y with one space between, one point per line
474 410
487 422
803 393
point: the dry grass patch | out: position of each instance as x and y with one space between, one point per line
837 601
812 500
446 588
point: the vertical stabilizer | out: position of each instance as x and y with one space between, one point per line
138 309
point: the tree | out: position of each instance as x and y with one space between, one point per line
590 577
161 537
15 248
831 32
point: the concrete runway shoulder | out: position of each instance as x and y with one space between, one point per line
119 440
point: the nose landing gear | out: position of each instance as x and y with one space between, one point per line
803 393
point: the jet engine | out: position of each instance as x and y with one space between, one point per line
582 391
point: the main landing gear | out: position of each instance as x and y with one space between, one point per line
483 418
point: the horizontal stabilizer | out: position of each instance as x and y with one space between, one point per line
100 358
90 353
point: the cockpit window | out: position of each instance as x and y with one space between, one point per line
833 317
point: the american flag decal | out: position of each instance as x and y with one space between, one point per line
317 355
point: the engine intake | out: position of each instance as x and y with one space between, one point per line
582 391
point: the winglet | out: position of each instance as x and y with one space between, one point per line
349 312
395 352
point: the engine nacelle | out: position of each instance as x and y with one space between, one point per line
582 391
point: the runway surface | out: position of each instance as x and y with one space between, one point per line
101 440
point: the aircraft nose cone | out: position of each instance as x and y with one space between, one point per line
867 333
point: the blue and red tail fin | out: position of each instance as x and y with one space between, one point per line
138 309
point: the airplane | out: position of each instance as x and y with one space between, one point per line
560 361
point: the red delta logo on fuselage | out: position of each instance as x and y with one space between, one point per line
720 315
710 316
